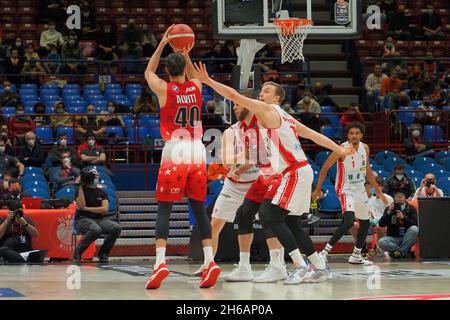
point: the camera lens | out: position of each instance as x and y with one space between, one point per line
18 214
428 184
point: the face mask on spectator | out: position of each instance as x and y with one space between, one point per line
389 45
107 29
430 11
7 88
399 176
2 149
86 13
72 42
52 27
111 109
416 133
91 111
91 143
96 181
15 192
18 43
66 162
63 142
30 142
372 191
20 111
59 110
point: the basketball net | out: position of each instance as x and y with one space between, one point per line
292 33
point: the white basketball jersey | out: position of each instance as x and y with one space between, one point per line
239 146
282 144
351 172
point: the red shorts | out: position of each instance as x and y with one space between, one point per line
177 181
263 188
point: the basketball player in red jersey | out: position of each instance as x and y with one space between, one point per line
279 132
183 163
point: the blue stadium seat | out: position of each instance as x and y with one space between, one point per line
434 133
93 98
148 120
38 193
382 174
31 170
100 105
333 118
87 93
29 98
91 86
109 94
114 132
108 184
444 184
34 177
406 117
71 93
32 86
383 155
421 161
45 134
412 172
74 110
215 186
417 180
447 165
114 86
79 103
124 102
328 131
68 100
68 131
71 86
327 109
38 184
390 163
9 110
416 103
332 172
330 202
51 91
375 166
441 174
132 92
133 86
128 119
321 157
50 86
431 168
442 156
133 99
65 193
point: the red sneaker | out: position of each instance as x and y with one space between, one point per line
210 275
157 277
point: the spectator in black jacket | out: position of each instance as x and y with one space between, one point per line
66 176
60 150
40 119
32 154
399 24
14 191
432 25
399 182
211 119
401 221
107 42
417 145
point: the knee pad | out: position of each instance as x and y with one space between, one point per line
204 225
244 220
269 233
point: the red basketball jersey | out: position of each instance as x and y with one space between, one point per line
183 111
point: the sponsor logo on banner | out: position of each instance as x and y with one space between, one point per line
63 229
342 12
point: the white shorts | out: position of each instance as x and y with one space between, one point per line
229 200
356 201
294 192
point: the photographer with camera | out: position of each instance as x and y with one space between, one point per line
401 221
16 231
90 217
428 188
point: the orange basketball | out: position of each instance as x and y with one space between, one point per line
181 36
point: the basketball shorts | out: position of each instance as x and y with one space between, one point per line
263 188
182 171
355 200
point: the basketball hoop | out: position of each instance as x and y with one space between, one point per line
292 34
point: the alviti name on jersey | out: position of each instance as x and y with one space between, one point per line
186 98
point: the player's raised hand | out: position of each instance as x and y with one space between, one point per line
202 73
165 38
187 49
346 151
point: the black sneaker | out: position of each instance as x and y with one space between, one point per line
313 219
103 258
76 256
397 254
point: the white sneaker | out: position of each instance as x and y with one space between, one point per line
359 260
272 274
299 275
320 276
240 274
324 256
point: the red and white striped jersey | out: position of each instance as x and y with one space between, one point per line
351 172
282 144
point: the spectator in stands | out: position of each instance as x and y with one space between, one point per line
299 93
146 103
216 171
53 66
219 105
211 119
425 118
4 136
61 150
308 104
16 44
52 10
399 24
50 36
389 49
417 145
430 65
415 93
212 65
322 94
268 65
388 7
4 185
426 84
20 124
15 237
91 122
31 71
14 66
30 53
93 206
32 154
40 119
111 119
8 98
229 52
414 76
3 56
67 174
428 188
130 41
15 192
287 107
445 80
72 51
9 164
88 21
351 115
432 25
390 87
373 86
402 100
107 42
90 153
63 118
399 182
148 41
401 221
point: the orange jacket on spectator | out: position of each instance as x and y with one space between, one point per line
216 171
388 85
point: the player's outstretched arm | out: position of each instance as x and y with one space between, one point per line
191 73
323 172
156 84
256 106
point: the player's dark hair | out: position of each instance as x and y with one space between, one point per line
175 64
12 181
357 125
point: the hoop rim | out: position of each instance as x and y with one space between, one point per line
293 22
